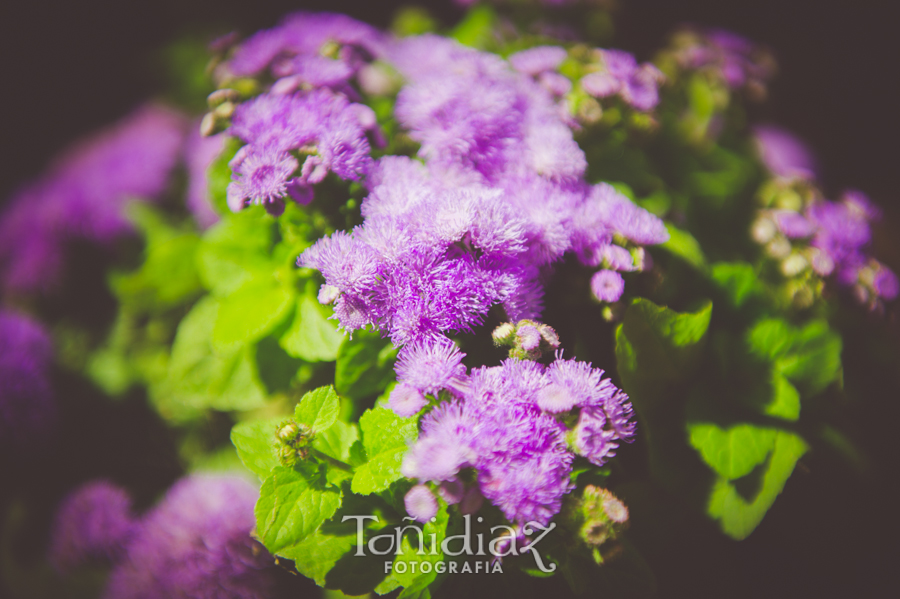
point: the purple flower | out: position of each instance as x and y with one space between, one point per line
734 59
301 36
196 543
321 124
430 367
406 400
537 60
421 503
885 283
607 285
28 412
84 195
503 428
783 154
620 74
793 225
93 523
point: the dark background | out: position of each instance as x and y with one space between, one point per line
67 68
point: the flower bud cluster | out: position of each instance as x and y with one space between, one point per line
598 518
527 339
292 442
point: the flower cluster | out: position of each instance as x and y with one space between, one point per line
617 73
811 236
27 406
195 543
306 113
518 425
726 57
83 195
499 200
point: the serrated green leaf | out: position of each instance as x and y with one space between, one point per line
319 409
379 472
386 438
316 555
412 579
738 514
682 244
337 440
250 313
732 451
254 441
289 509
657 347
365 365
737 280
311 336
201 377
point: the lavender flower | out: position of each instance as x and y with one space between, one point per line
537 60
727 56
421 503
84 194
503 428
783 154
324 126
93 523
432 367
195 543
27 408
296 45
619 74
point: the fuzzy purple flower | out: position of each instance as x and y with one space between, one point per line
537 60
783 154
196 543
84 195
503 428
621 75
28 410
430 367
421 503
93 523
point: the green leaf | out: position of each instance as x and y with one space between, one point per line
737 280
814 360
386 438
476 28
252 312
365 365
657 347
311 336
810 357
785 401
319 409
412 579
337 440
254 441
201 377
289 509
316 555
734 451
236 250
682 244
739 506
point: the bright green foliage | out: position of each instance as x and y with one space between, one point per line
316 555
318 409
249 314
291 507
739 506
255 444
365 365
311 336
739 281
201 376
732 452
809 357
385 438
476 29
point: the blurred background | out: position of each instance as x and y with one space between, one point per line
69 68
